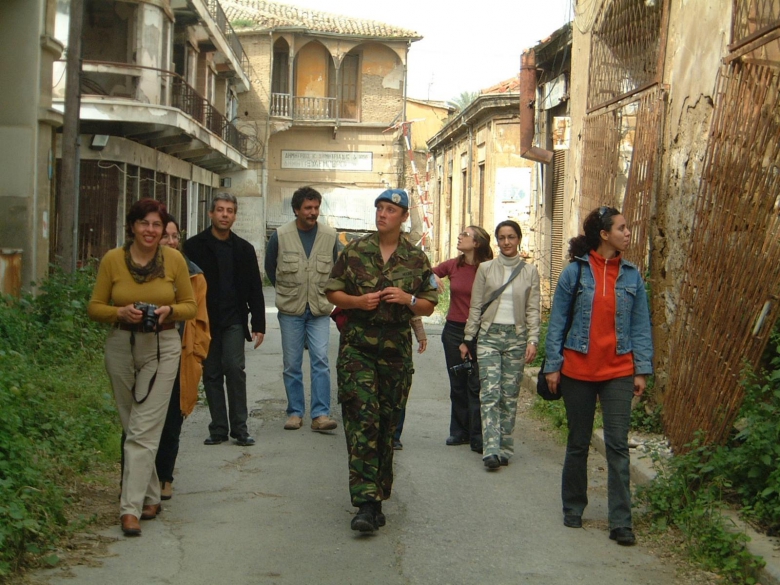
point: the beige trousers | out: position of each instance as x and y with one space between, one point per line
126 365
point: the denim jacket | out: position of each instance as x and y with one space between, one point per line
632 318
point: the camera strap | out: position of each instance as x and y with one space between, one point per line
154 376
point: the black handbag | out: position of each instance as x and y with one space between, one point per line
542 389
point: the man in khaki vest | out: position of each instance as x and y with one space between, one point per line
299 257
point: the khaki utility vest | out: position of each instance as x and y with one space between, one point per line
301 280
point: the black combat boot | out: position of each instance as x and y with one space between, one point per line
365 519
378 515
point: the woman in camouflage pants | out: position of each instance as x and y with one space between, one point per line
508 326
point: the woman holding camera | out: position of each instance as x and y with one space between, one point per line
195 341
474 248
607 355
142 288
505 312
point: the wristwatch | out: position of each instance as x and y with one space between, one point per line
413 302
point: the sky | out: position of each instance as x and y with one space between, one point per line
463 49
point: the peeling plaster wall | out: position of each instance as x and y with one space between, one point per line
698 35
382 76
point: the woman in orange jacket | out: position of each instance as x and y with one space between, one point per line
195 340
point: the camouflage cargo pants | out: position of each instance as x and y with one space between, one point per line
372 391
501 356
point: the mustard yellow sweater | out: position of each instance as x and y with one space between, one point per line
116 288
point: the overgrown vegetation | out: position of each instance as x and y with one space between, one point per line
692 489
58 418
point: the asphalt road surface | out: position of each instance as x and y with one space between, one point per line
279 512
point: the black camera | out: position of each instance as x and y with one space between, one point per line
149 319
467 367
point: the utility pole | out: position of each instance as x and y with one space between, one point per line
67 226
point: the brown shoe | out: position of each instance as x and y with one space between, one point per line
293 423
150 511
166 490
323 423
130 525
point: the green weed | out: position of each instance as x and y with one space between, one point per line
58 422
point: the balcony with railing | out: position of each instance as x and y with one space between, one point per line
303 108
179 122
213 21
185 98
223 24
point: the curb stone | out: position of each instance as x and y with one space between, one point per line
642 472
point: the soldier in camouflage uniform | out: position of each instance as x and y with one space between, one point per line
381 280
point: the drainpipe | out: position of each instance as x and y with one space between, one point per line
527 101
403 114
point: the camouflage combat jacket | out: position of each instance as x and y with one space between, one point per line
359 270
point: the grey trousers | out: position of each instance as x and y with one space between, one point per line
224 367
128 365
580 400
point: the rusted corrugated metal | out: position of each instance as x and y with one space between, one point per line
732 274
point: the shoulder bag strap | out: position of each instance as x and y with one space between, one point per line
502 288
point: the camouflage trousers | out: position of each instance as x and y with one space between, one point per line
372 391
501 357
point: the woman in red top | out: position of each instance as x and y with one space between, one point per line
465 422
607 354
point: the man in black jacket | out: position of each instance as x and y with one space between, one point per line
235 290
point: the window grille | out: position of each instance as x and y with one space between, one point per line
752 16
625 49
733 266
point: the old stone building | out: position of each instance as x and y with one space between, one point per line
159 87
675 120
28 126
479 176
328 95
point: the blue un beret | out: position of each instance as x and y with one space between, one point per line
398 197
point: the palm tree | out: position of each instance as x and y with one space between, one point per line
464 99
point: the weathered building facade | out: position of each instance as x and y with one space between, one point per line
28 126
479 176
159 87
328 91
545 79
676 120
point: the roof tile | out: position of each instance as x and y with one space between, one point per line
271 15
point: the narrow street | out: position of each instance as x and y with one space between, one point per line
279 512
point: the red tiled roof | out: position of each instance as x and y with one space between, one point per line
272 15
508 86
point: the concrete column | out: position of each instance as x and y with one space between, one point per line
150 52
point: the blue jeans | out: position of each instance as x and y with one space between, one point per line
315 331
580 400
